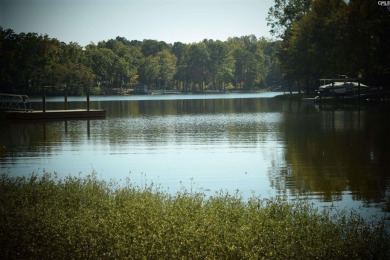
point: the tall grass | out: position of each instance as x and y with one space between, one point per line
86 218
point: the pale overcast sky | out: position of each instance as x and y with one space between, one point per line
85 21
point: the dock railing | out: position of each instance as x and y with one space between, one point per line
13 102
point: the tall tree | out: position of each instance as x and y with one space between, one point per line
149 71
180 50
167 67
368 41
249 66
126 61
9 46
152 47
284 12
71 70
335 37
272 64
221 63
198 68
101 60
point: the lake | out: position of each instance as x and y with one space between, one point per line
333 156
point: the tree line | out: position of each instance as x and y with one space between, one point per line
30 61
325 38
316 39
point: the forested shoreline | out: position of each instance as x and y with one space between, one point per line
33 61
313 39
325 38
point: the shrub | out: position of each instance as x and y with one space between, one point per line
86 218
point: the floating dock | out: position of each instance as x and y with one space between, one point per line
56 114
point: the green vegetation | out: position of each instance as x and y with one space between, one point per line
85 218
315 39
325 38
118 65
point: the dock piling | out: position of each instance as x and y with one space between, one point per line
43 99
66 98
87 100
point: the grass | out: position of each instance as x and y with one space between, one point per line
85 218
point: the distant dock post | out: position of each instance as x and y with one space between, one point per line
87 100
43 99
66 98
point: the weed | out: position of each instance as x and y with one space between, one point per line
86 218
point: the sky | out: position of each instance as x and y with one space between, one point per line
187 21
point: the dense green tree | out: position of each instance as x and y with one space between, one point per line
42 54
221 63
27 60
368 40
180 50
284 13
273 72
101 61
198 67
126 61
71 71
249 67
9 73
315 43
33 61
166 67
152 47
149 71
333 37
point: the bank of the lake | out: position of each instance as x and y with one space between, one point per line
46 217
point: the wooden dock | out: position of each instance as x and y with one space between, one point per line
56 114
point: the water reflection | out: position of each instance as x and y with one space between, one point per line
335 152
262 145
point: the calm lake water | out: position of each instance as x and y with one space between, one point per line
332 156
